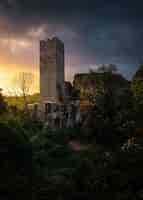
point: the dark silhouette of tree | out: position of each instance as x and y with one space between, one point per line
137 89
93 83
16 164
3 105
111 121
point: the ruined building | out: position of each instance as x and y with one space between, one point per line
51 70
57 107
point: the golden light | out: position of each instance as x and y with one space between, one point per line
7 76
17 55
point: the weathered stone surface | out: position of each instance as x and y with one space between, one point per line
51 70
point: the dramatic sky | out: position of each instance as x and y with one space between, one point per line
94 32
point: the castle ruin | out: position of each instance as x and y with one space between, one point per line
56 106
51 70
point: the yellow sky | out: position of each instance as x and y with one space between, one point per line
9 72
17 55
21 55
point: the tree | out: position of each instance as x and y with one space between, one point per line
112 68
24 85
16 163
94 83
3 104
137 89
111 121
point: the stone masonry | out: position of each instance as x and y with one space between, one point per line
51 70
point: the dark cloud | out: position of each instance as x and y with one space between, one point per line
94 31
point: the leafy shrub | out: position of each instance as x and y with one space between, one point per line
16 164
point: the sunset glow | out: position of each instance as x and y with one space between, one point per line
17 55
91 38
7 77
22 55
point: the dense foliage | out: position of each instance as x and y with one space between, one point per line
95 83
52 170
137 89
111 120
39 163
3 104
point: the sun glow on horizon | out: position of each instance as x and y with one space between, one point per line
7 80
22 55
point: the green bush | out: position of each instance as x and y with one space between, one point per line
16 164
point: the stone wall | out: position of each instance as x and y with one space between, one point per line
51 69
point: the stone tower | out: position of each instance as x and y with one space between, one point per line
51 70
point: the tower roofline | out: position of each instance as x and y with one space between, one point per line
52 39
